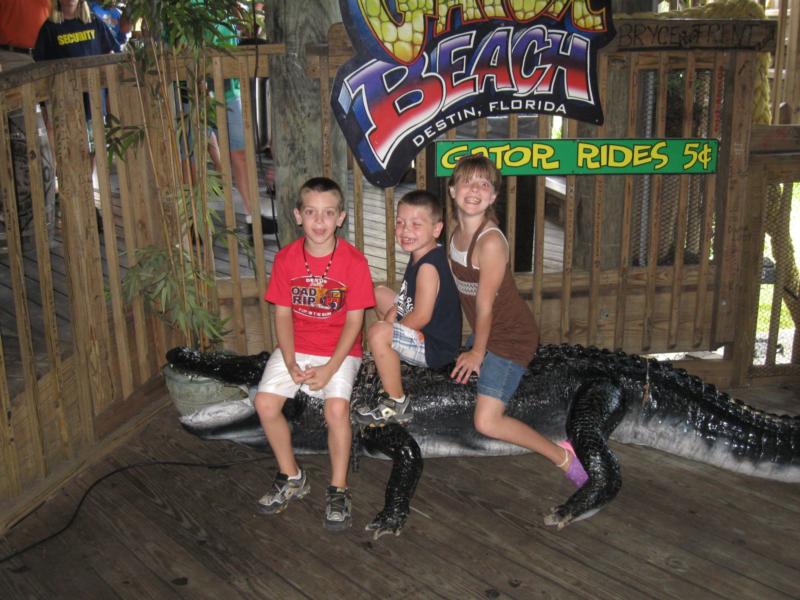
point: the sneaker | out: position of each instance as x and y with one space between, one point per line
337 509
245 231
387 411
575 471
283 491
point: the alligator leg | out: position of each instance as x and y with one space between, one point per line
596 411
396 443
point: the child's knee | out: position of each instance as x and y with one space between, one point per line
379 334
337 412
267 406
484 423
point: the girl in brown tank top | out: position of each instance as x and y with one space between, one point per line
505 334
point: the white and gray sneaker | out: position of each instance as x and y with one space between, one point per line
387 411
338 515
283 491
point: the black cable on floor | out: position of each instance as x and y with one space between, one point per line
167 463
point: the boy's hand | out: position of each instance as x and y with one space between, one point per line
467 363
318 377
297 374
391 315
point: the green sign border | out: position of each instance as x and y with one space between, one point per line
606 156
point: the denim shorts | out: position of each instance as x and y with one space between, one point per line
235 124
409 344
499 377
235 127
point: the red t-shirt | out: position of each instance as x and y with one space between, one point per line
319 305
21 20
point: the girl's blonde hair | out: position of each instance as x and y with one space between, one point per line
471 165
84 13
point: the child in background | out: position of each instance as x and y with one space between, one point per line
320 286
505 335
422 324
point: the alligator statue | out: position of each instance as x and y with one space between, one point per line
586 395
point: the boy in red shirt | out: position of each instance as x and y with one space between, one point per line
320 286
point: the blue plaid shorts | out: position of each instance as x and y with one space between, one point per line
409 344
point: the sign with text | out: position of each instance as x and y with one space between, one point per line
586 157
422 68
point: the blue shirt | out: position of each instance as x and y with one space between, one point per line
111 17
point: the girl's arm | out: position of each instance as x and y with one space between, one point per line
492 256
285 334
427 289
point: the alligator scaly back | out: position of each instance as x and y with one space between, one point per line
673 411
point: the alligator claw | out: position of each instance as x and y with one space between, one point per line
559 516
384 523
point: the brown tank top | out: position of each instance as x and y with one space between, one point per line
514 333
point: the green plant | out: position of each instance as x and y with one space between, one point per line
169 63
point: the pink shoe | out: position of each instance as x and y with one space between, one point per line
575 473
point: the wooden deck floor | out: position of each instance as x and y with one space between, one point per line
678 529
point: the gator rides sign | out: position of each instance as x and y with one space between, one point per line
423 67
586 157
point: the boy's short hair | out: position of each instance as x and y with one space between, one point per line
321 184
473 164
424 198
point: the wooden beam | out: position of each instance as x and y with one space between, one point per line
570 127
627 210
237 317
8 195
38 200
655 206
683 202
597 219
255 207
774 138
74 183
733 168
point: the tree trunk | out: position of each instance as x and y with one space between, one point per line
295 103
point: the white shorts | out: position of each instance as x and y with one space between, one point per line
276 379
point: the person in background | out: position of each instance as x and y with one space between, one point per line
226 36
113 15
73 31
20 22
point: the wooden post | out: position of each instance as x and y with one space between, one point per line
127 109
683 202
30 396
733 164
80 234
237 319
122 348
44 264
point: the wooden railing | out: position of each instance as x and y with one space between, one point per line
76 361
774 176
